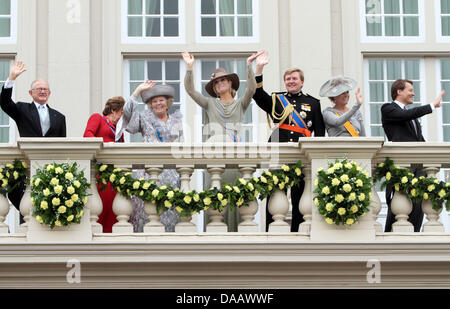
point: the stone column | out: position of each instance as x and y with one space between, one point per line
375 206
4 210
185 225
94 202
278 208
154 225
433 224
217 223
248 213
306 201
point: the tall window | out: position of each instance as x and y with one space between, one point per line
392 20
8 21
149 21
443 20
207 66
445 85
380 74
6 133
161 71
227 19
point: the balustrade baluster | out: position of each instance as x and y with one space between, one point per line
401 207
306 201
123 208
4 210
154 225
247 213
433 224
278 208
185 225
94 202
375 206
217 223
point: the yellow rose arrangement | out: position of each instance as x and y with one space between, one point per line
13 175
342 192
59 194
239 194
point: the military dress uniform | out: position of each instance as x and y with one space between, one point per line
308 108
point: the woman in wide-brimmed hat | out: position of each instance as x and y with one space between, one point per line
156 125
225 113
340 120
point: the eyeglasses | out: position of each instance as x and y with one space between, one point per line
41 89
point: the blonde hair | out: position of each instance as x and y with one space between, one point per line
292 70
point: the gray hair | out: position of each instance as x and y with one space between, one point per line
39 80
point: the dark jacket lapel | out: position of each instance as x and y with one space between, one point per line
34 114
53 120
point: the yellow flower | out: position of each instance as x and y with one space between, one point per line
56 201
80 214
58 223
404 179
49 167
59 170
341 211
330 170
70 190
269 188
329 207
316 182
442 193
179 209
281 185
388 176
339 198
68 203
196 197
44 205
62 209
263 179
76 183
75 197
354 209
359 183
136 185
250 186
298 171
155 193
167 204
54 181
163 187
228 188
122 180
397 187
320 169
46 192
337 166
170 194
362 197
39 219
207 201
352 196
275 179
15 175
347 188
146 185
242 181
116 170
425 196
326 190
224 202
32 201
112 178
350 221
85 200
256 193
220 196
69 176
344 178
58 189
414 192
236 189
37 181
316 201
240 202
70 218
414 181
335 182
103 168
381 165
285 168
24 164
5 182
348 165
187 199
447 184
430 188
268 173
329 221
141 193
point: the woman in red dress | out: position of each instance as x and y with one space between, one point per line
105 126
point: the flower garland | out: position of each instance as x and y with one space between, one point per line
239 194
343 192
12 176
59 194
417 188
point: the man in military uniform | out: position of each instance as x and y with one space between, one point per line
296 114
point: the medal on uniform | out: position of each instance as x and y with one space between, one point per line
309 124
303 114
306 107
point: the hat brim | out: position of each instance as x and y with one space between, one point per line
331 89
234 83
160 90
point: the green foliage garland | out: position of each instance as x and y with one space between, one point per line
12 175
234 195
343 192
59 194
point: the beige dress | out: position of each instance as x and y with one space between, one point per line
224 125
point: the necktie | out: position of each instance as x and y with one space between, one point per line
43 116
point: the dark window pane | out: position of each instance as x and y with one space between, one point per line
245 26
244 7
172 70
373 26
137 70
446 133
376 71
152 6
134 26
208 68
411 26
446 87
226 26
4 135
153 26
170 6
226 6
170 27
176 86
5 7
134 7
209 27
445 25
4 118
410 7
445 6
375 113
154 70
445 113
373 6
377 131
208 7
392 26
391 7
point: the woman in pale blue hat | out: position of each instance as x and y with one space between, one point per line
340 120
156 125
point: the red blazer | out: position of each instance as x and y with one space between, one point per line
99 126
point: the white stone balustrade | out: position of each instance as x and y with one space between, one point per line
247 213
185 225
278 208
305 204
94 202
432 224
216 223
154 225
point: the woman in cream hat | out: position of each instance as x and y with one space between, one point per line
340 120
156 126
225 113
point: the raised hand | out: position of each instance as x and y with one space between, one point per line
16 69
437 103
254 56
143 87
261 60
359 96
189 59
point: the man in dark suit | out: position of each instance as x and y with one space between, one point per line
34 119
401 125
296 115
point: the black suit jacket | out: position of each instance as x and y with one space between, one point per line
397 122
302 102
27 120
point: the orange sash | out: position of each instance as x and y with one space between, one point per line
350 128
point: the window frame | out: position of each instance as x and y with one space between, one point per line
180 39
392 39
438 19
225 39
12 39
367 103
438 90
126 86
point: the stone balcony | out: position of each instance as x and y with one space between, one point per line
318 256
